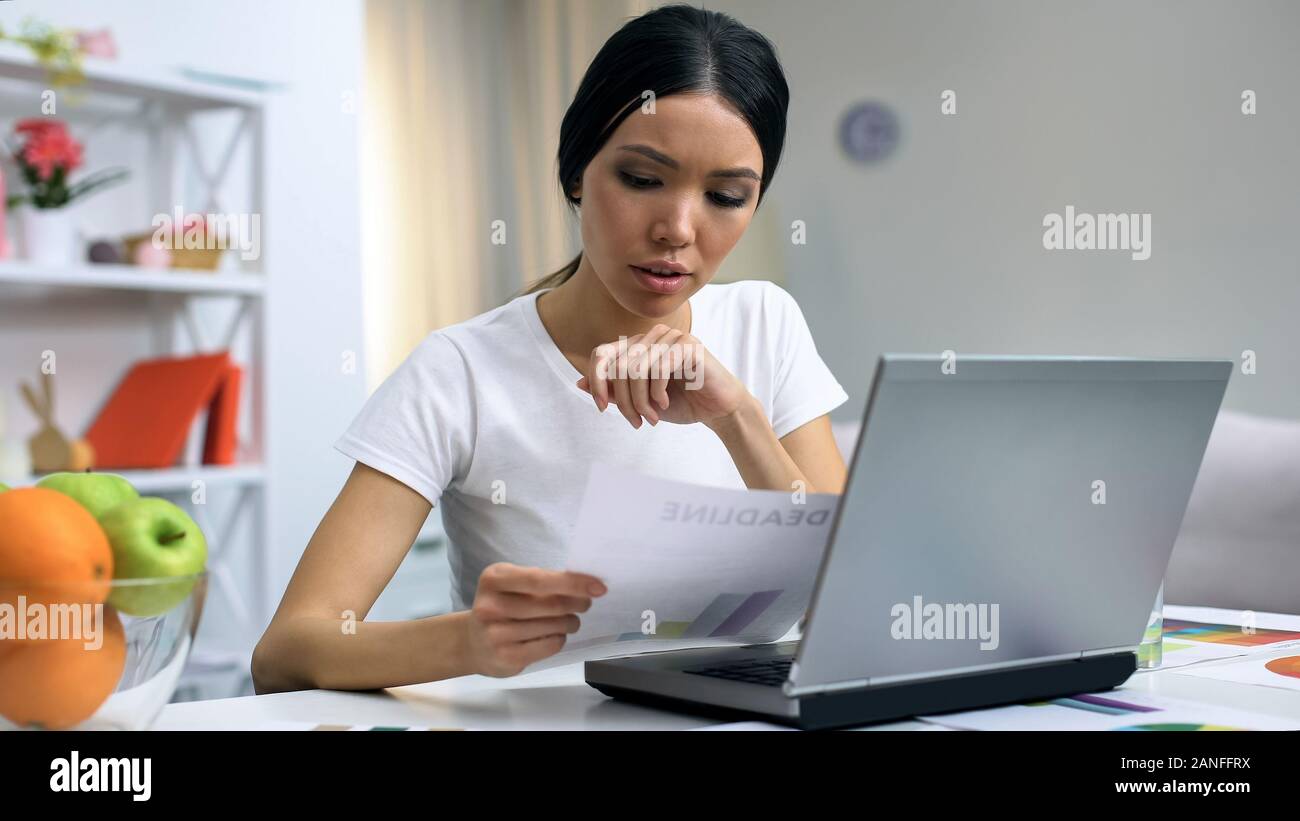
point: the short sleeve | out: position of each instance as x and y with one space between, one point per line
416 427
804 387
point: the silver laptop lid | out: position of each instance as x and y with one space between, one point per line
1005 510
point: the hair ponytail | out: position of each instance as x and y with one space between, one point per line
556 279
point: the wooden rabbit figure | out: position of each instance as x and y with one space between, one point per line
51 450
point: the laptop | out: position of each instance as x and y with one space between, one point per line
1005 528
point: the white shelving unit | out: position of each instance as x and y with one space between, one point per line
145 83
132 278
159 106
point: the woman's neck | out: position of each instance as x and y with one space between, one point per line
581 314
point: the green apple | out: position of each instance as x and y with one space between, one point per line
96 492
152 539
3 487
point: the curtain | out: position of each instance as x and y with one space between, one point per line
460 126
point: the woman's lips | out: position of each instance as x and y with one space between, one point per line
659 284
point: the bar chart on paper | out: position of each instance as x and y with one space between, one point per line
1229 634
730 614
674 620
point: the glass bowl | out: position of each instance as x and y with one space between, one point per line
94 655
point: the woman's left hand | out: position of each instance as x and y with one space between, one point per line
663 375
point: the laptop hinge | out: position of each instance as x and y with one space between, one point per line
1106 651
814 689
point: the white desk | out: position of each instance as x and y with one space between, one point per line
559 699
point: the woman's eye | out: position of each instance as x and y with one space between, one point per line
721 200
635 181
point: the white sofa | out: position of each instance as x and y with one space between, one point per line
1239 546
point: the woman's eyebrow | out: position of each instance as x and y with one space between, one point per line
664 159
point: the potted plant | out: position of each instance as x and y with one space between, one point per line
46 156
59 51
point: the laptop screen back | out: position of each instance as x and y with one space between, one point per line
1004 509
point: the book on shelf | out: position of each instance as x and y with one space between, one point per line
147 419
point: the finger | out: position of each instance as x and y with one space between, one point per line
530 651
623 398
662 367
525 630
638 383
525 606
692 362
654 342
598 374
582 384
536 581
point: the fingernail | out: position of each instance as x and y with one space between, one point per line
596 589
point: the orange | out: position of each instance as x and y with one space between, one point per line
59 683
51 549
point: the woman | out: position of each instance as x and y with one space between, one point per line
669 145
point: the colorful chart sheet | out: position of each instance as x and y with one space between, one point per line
1283 672
1113 710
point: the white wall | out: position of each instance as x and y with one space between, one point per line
310 235
1109 106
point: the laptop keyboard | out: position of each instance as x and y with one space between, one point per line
770 672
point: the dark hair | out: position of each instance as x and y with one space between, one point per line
671 50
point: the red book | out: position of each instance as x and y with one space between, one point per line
145 422
221 436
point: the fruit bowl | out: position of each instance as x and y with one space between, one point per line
73 657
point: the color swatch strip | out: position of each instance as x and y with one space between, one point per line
1226 633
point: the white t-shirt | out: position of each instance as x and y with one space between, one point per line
491 406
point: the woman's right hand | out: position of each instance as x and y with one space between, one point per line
524 614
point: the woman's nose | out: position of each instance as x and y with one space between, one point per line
675 227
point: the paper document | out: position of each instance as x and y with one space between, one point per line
1282 671
1190 640
1123 709
691 566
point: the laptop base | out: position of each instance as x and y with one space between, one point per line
872 705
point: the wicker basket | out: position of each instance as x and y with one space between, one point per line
199 259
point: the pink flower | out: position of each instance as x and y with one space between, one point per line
97 43
47 154
33 126
51 148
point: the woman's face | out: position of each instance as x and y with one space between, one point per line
680 184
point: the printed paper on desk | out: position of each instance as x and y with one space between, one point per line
691 566
1281 671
